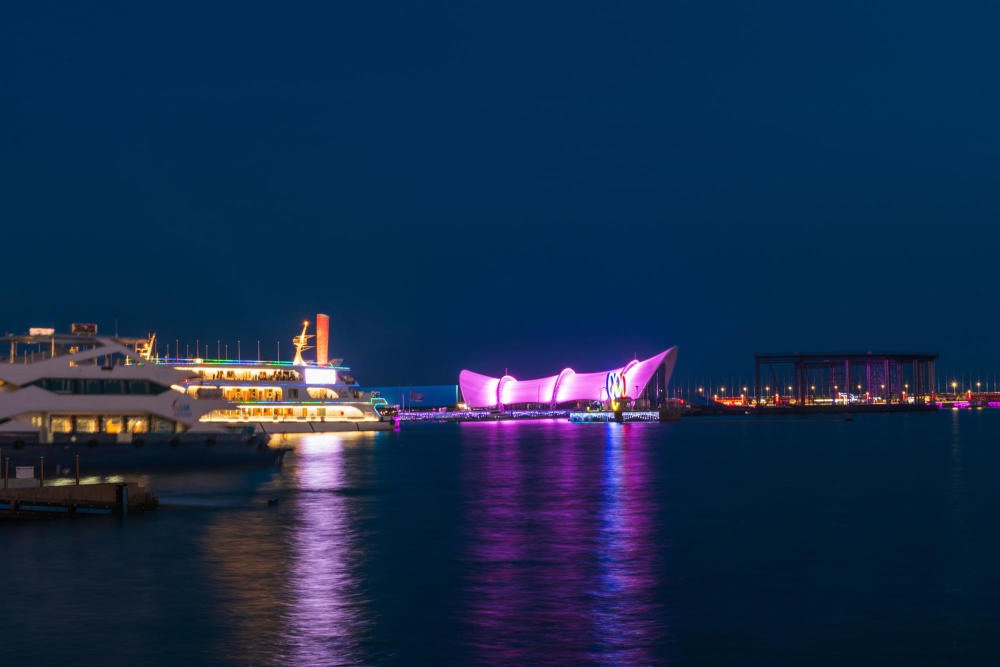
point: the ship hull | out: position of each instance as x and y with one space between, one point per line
104 455
285 428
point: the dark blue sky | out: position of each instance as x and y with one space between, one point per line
522 185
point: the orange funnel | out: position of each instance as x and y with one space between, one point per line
322 339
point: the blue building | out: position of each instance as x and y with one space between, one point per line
419 397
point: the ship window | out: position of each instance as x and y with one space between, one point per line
112 424
138 387
62 424
60 385
86 424
92 386
138 425
113 387
159 425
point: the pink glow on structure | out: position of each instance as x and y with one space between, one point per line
483 391
528 391
503 389
478 389
585 387
557 390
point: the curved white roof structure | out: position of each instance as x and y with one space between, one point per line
625 382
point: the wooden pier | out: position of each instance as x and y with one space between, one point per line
69 500
29 497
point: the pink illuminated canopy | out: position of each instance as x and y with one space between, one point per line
625 382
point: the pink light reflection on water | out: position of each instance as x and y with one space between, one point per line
537 563
629 622
323 615
524 564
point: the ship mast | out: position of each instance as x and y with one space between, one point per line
145 349
301 343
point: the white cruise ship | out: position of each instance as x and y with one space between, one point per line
280 397
102 399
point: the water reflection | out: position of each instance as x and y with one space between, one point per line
246 556
287 566
324 611
629 621
560 562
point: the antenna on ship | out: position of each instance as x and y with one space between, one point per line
301 343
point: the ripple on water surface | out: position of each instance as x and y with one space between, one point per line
700 542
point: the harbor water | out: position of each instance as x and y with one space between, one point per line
729 541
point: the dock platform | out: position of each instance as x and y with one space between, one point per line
71 499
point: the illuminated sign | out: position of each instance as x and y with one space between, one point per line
321 376
83 329
40 331
615 384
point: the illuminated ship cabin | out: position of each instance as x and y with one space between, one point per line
284 396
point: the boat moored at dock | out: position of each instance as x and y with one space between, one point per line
279 397
63 395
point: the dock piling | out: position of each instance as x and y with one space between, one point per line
41 471
6 471
122 498
78 470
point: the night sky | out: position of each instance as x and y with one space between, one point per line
507 185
